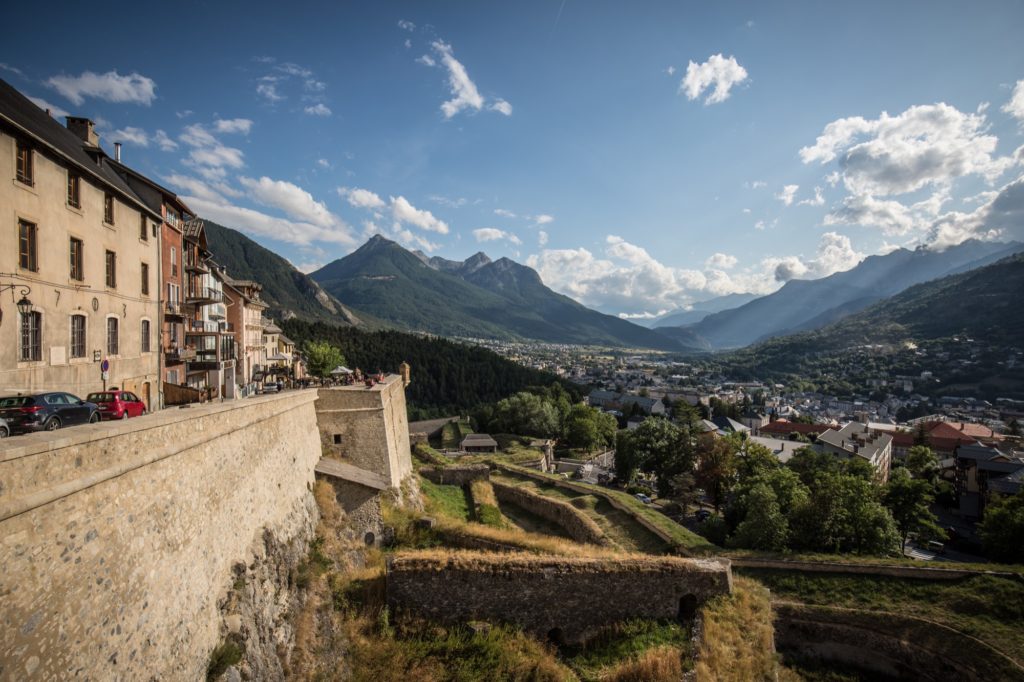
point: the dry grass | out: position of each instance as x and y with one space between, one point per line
443 558
738 638
660 664
482 492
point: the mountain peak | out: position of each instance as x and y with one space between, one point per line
474 262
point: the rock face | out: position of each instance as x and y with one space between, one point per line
564 599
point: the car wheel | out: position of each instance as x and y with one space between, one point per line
52 425
144 412
94 417
124 415
4 432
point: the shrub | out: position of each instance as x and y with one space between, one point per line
224 656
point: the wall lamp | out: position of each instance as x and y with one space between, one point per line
24 305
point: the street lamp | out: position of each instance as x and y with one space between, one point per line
24 305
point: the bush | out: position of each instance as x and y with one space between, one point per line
714 529
226 655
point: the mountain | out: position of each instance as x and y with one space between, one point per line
474 298
700 310
288 292
807 304
982 304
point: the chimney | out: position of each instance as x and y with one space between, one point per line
117 152
84 129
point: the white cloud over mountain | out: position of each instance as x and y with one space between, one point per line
490 234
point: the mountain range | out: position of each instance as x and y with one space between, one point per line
802 305
473 298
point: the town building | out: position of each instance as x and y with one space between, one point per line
245 319
79 262
857 440
611 401
982 470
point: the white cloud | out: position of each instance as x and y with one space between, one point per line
787 194
208 151
490 234
458 202
196 187
184 114
111 86
53 108
818 200
403 236
268 90
1001 218
746 210
926 145
756 184
323 163
163 141
406 25
408 44
501 106
504 213
233 125
294 201
835 254
892 217
426 60
136 136
1015 107
543 219
542 238
759 225
309 266
318 109
718 71
671 70
361 198
721 261
12 69
833 178
260 224
465 94
404 212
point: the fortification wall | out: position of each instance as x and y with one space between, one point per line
566 599
121 543
457 474
367 427
570 519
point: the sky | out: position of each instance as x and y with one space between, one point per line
640 156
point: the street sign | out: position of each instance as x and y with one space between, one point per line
104 376
105 366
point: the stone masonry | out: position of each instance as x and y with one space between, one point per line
564 599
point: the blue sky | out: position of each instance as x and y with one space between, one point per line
640 156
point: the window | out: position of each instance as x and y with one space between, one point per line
172 376
145 279
31 337
111 269
112 344
174 262
74 190
173 335
143 231
108 209
145 336
77 271
27 237
24 165
78 336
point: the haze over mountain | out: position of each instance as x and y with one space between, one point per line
699 310
810 304
472 298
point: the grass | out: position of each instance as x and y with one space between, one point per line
445 500
988 607
738 638
452 434
486 509
859 559
634 650
422 452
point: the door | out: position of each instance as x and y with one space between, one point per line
59 408
80 413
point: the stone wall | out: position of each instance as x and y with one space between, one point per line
884 644
120 544
456 475
580 527
367 427
565 599
891 570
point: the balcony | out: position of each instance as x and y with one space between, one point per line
204 296
204 365
175 309
197 266
178 355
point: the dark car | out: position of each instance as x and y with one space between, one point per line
46 411
116 404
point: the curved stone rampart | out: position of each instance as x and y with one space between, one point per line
578 525
566 599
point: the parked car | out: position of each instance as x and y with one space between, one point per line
118 404
643 498
46 411
270 387
5 430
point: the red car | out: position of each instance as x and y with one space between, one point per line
118 404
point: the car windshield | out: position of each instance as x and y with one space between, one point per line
19 401
101 398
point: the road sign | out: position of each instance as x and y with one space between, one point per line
105 366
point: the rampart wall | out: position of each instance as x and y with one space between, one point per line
579 526
565 599
120 543
457 474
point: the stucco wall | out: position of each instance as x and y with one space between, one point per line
119 543
563 598
367 427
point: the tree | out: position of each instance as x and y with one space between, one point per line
809 464
843 514
908 500
753 459
657 446
764 527
716 467
923 463
588 428
322 357
1002 530
526 414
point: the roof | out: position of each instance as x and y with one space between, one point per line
270 328
727 424
786 427
193 228
28 119
856 439
782 449
284 339
479 440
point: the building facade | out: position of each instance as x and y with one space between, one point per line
80 250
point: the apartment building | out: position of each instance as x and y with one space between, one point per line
79 255
245 318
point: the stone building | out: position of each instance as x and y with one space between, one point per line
81 251
245 320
